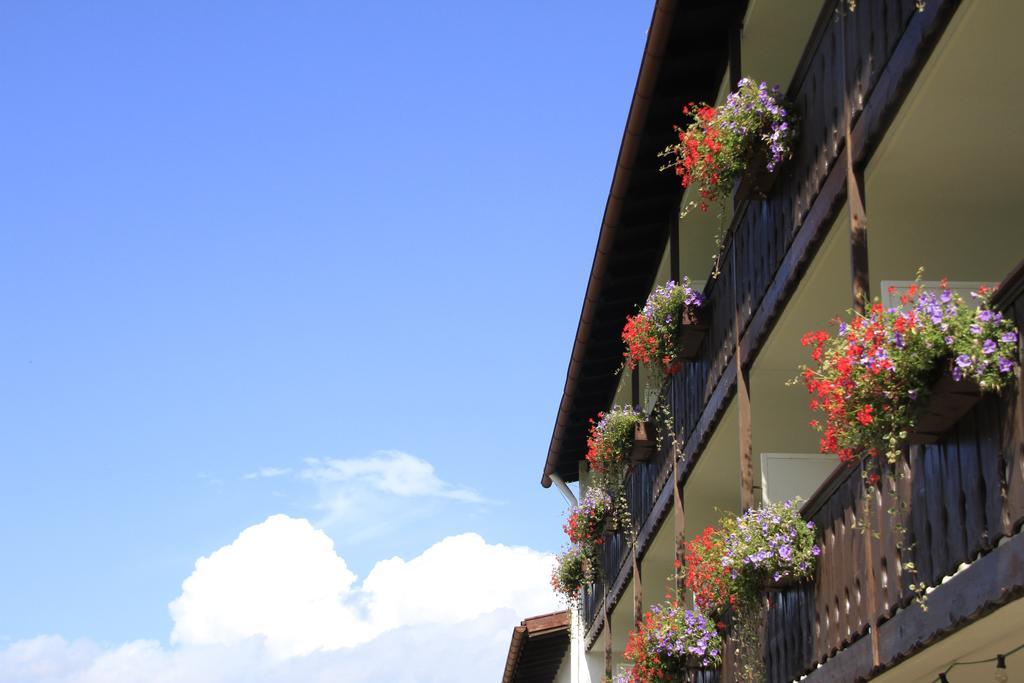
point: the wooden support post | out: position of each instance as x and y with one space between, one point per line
858 229
638 590
679 524
855 198
746 440
607 639
746 446
673 249
634 377
861 292
735 39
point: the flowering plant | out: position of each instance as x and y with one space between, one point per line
572 570
707 576
611 439
716 148
873 376
652 335
587 521
768 545
668 640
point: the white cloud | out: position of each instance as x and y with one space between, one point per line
268 473
457 579
279 604
281 580
464 653
391 472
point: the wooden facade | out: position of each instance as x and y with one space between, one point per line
965 492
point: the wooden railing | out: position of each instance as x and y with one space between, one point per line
963 495
764 236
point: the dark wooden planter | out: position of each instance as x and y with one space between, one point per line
949 401
692 330
757 182
783 583
645 442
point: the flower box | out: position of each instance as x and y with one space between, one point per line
669 641
949 401
611 440
783 583
667 329
692 330
757 181
910 371
645 442
736 146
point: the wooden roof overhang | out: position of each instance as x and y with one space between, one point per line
537 649
684 61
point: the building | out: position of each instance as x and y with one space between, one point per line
908 156
539 647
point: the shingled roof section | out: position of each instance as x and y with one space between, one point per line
684 61
538 646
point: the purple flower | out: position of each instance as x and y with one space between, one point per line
984 315
1009 337
963 361
1005 365
989 347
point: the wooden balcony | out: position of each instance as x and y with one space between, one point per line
877 53
963 514
964 500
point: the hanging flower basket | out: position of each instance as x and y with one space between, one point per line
874 379
706 577
645 442
572 571
769 547
611 440
693 328
670 641
948 401
741 142
588 522
667 330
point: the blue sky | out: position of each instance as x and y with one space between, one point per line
237 236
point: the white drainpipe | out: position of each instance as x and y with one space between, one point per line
566 491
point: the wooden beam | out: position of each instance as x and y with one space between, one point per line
678 523
861 291
745 437
746 447
638 589
673 250
858 233
735 41
607 637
